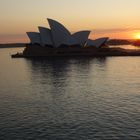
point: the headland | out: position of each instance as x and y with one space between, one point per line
59 41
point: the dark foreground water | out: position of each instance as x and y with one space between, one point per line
76 99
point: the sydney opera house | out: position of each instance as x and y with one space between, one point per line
58 36
58 41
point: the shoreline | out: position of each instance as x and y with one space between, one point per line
72 52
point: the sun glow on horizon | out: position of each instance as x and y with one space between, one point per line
137 35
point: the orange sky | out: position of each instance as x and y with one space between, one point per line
111 18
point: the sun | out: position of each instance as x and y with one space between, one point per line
137 36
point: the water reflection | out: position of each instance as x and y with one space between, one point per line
61 71
68 86
131 47
60 78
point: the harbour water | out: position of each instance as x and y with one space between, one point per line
69 98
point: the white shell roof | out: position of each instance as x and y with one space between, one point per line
34 37
46 37
81 37
97 43
59 33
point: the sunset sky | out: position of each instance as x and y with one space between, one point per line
112 18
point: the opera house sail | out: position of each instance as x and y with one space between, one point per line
59 33
46 37
97 43
81 37
34 37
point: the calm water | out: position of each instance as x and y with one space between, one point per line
76 99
